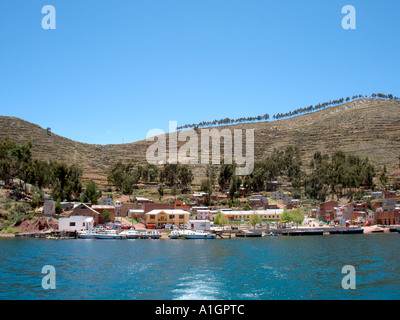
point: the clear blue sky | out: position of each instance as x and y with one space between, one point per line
113 70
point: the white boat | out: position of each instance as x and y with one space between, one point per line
198 234
131 234
175 234
109 234
155 234
87 234
145 235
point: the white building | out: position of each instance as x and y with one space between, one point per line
75 223
278 195
199 225
203 214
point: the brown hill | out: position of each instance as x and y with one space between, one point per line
366 127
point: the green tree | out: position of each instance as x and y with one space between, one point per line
185 175
221 219
383 178
286 216
246 207
91 193
297 216
160 191
255 219
105 215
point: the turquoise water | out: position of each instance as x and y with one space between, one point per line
307 267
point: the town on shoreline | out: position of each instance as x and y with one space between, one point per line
259 214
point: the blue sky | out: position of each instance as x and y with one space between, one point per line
113 70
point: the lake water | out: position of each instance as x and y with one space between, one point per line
307 267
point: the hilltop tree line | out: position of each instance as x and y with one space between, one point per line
296 112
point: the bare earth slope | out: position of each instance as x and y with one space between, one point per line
366 127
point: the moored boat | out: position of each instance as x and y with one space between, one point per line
109 234
145 234
314 232
155 234
199 234
175 234
87 234
249 234
131 234
346 231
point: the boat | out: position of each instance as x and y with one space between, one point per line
249 234
198 234
131 234
109 234
175 234
145 235
155 234
346 231
303 232
271 234
87 234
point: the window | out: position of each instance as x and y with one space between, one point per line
72 224
152 216
181 216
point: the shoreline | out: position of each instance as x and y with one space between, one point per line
227 234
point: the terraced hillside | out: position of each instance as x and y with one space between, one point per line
366 127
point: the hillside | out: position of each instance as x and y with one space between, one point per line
366 127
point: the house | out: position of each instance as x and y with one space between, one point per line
49 207
118 207
199 225
390 194
272 185
75 223
265 215
203 214
259 199
327 210
196 209
342 213
295 203
159 218
110 210
287 200
147 207
278 195
387 215
85 210
107 201
377 195
136 213
314 213
123 209
141 200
